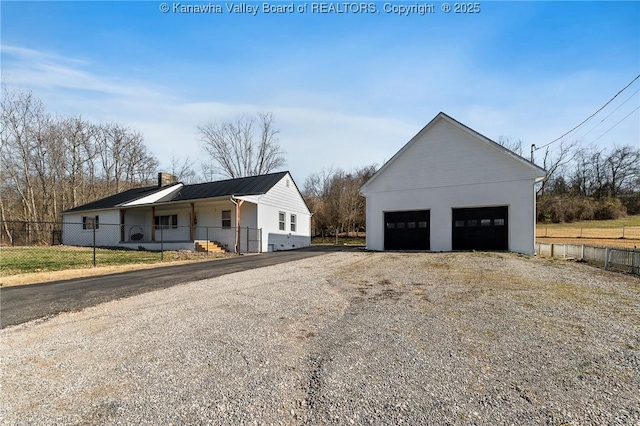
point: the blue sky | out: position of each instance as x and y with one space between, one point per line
346 90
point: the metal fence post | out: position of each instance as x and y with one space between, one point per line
161 243
606 258
582 253
94 245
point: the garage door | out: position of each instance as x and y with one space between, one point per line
482 228
406 230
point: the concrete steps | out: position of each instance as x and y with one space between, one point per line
204 246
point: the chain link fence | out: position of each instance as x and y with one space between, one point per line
609 258
48 246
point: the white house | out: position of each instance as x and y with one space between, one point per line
250 214
451 188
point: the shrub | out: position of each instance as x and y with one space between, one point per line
565 208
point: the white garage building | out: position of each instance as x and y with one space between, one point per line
451 188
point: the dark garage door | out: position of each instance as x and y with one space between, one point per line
481 228
406 230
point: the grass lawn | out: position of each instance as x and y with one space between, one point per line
19 260
350 241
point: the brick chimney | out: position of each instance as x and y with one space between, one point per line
165 179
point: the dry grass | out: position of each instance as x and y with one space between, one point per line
49 276
602 242
624 233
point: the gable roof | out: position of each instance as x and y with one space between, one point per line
539 172
252 185
116 199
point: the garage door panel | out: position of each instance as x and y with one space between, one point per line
480 228
407 230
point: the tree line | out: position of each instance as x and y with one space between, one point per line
333 196
594 183
50 163
586 182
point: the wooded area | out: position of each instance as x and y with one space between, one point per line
333 196
49 164
590 183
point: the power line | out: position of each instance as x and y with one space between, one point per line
610 114
590 117
624 118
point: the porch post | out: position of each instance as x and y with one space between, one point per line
238 225
153 223
192 229
122 236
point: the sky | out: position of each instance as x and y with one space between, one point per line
348 85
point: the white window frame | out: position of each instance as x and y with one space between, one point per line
292 222
223 219
90 222
282 221
170 219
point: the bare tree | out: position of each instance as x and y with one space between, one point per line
623 167
555 161
244 146
333 196
49 164
182 169
511 145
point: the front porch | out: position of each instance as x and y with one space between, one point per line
208 225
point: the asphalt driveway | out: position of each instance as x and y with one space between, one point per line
20 304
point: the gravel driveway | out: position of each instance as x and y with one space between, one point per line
363 338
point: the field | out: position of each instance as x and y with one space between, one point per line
612 233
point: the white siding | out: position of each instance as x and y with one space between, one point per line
446 167
441 201
445 155
287 199
107 234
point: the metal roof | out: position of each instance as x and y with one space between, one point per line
113 200
252 185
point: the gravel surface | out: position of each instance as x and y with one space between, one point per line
344 338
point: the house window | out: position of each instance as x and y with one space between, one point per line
459 223
90 222
485 222
293 223
226 218
498 222
166 222
281 220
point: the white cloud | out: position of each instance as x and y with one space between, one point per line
355 125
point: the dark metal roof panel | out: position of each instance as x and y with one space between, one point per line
253 185
114 200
